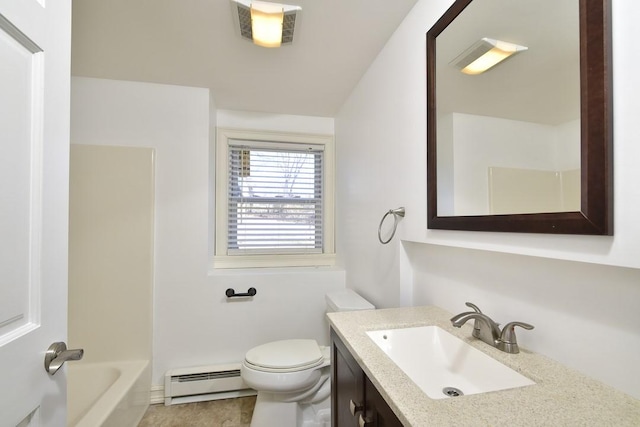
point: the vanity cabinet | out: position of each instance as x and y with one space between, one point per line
355 401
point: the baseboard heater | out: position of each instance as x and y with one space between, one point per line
203 383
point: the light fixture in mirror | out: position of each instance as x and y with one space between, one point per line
485 54
526 147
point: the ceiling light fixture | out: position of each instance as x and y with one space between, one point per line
266 24
484 54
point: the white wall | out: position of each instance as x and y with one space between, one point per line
578 284
194 324
381 158
275 122
481 142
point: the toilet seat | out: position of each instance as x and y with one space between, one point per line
285 356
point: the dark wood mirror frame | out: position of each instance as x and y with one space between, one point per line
596 116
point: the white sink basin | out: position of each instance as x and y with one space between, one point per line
436 360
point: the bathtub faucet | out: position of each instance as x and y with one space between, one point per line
489 331
57 354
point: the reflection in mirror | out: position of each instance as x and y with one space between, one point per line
508 146
509 138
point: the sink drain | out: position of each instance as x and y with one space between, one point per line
452 391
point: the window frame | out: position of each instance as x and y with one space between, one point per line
221 259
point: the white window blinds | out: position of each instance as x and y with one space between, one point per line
275 198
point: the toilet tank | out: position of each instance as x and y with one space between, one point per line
346 300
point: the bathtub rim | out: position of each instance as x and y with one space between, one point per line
130 372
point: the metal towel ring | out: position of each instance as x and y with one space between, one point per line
398 212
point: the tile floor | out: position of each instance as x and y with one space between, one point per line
215 413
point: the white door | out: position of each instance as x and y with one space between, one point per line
34 181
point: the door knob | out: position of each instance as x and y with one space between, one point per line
57 354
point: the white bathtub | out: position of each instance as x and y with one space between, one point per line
107 394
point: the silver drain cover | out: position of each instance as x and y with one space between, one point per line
452 392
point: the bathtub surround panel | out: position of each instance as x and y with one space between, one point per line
383 123
111 231
194 322
111 252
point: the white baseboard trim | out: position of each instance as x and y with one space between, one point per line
157 394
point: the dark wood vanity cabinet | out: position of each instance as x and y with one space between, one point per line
347 385
377 411
355 401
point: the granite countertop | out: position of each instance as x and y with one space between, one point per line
560 397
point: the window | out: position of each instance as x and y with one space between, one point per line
274 199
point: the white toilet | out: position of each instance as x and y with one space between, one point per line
292 377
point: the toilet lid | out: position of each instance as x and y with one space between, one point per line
285 354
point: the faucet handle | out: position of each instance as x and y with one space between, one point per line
476 323
508 341
473 306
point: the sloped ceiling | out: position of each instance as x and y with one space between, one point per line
541 85
196 43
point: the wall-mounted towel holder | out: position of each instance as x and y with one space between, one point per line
231 293
397 213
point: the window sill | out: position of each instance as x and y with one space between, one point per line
273 261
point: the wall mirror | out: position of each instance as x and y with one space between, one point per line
525 146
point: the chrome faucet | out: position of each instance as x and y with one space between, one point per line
489 331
